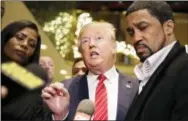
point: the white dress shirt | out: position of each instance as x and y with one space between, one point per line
143 71
111 84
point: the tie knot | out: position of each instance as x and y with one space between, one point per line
101 78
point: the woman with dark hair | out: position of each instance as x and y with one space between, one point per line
20 43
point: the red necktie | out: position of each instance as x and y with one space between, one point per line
101 105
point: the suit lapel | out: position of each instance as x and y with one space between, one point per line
83 92
139 103
78 91
124 97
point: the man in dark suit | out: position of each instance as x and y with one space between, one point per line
163 71
78 67
98 48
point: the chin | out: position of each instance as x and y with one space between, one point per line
94 64
143 58
17 60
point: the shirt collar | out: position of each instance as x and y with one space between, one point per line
109 75
157 58
143 71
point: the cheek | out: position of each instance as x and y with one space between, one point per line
160 38
42 65
154 38
30 52
52 70
84 51
8 48
108 50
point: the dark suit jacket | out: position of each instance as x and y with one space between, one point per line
78 90
18 100
30 107
24 107
165 96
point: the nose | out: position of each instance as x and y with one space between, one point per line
47 67
92 43
24 44
137 37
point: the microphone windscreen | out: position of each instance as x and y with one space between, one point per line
37 70
86 106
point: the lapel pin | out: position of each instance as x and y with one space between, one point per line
129 85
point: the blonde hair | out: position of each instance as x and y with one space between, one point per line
108 26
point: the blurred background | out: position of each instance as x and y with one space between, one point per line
60 22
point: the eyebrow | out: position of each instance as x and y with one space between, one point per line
137 25
141 23
84 38
22 34
26 36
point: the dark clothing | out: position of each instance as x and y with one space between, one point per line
78 90
165 96
19 99
68 82
20 107
14 89
22 103
29 106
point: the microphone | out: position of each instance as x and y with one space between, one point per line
85 110
19 80
31 77
24 87
38 71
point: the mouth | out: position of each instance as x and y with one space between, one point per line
140 48
20 53
94 54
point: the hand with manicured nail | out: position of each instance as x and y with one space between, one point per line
57 98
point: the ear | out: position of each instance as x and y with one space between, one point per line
168 27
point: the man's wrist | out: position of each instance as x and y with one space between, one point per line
60 117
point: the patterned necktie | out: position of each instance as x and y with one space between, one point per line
101 105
